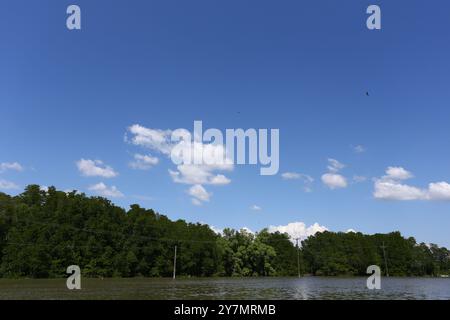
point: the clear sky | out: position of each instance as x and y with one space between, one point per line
68 98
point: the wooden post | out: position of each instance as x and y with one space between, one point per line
175 263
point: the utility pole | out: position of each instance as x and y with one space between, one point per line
298 258
385 260
175 264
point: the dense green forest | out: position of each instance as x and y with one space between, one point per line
43 232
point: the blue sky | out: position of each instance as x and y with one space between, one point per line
303 67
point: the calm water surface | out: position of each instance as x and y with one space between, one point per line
228 288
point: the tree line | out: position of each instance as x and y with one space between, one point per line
43 232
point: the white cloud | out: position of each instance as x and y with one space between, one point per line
186 173
392 187
306 179
334 165
7 185
199 194
219 179
143 162
297 176
5 166
103 190
298 230
158 140
439 191
351 231
359 149
213 160
291 175
95 168
194 174
334 180
255 208
197 174
216 230
393 190
397 173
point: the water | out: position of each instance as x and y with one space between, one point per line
228 288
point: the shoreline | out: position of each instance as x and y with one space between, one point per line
231 278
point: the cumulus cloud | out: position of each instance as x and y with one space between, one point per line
158 140
95 168
439 191
219 179
212 155
196 173
397 173
15 166
334 180
143 162
199 194
298 230
213 160
255 208
105 191
392 187
393 190
7 185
